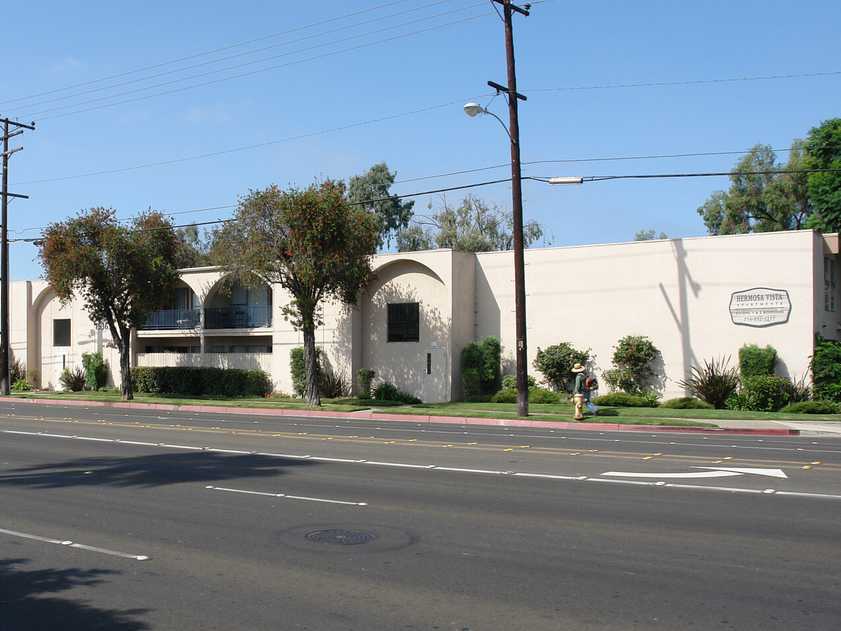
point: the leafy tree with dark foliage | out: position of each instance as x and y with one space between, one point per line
120 272
312 242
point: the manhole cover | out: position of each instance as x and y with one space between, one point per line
341 536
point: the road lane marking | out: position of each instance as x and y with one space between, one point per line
286 496
432 467
72 544
713 472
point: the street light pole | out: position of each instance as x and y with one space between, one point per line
517 205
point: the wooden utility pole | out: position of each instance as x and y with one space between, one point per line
517 203
5 330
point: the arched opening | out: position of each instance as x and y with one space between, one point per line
232 304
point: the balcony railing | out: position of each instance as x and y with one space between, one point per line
237 317
173 319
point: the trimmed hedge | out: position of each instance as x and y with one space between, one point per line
623 400
813 407
826 369
755 361
686 403
228 382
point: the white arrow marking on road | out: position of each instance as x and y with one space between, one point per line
713 472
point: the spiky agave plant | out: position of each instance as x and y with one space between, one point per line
713 383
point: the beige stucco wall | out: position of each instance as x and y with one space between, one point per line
676 292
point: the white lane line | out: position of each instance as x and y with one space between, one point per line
459 470
803 494
550 476
400 464
72 544
323 459
612 481
180 447
285 496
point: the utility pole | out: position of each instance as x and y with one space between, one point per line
517 202
5 330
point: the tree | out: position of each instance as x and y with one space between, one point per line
762 197
312 242
195 248
823 151
393 213
473 226
649 235
120 272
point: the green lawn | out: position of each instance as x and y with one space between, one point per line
345 405
538 411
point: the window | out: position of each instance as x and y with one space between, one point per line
403 322
61 332
829 285
429 363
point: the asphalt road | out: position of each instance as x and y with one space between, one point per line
115 519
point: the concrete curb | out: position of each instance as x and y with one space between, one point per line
417 418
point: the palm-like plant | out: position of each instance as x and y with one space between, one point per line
714 383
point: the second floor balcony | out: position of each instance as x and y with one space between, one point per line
168 319
238 317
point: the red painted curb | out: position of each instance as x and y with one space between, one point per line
418 418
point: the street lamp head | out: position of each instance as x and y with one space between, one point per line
473 109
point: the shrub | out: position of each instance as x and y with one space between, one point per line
686 403
489 371
471 382
96 371
17 370
714 383
332 383
21 385
536 395
765 393
365 376
543 395
386 391
813 407
625 400
298 369
632 357
755 361
229 382
555 364
72 380
509 382
826 369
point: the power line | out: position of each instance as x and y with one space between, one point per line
545 180
208 52
580 160
242 74
259 145
237 55
660 84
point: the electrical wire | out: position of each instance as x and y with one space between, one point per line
546 180
47 114
340 29
660 84
207 52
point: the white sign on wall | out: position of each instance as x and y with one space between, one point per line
760 307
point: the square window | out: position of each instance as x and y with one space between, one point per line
404 322
61 332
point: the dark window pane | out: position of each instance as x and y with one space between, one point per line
61 332
404 322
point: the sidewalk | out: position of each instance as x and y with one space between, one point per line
738 427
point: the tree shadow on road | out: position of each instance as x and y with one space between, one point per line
149 471
22 606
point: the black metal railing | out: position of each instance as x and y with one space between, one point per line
173 319
238 317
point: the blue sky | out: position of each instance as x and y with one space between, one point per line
562 45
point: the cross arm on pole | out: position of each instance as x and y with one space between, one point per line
501 88
524 10
18 124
